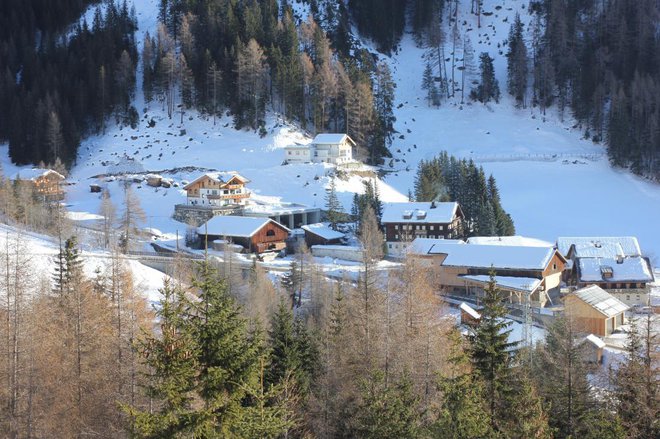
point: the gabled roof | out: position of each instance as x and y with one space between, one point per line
235 226
323 230
599 246
420 212
595 340
600 300
35 173
486 256
331 139
633 269
469 310
219 177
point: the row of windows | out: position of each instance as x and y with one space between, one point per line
417 227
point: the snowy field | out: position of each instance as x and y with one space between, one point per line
552 181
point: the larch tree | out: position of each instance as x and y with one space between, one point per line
131 218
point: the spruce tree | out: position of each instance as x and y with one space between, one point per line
517 62
490 351
462 412
172 360
334 209
488 89
229 356
388 412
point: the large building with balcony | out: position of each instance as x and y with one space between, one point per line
218 189
404 222
325 148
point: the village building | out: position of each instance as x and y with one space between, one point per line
404 222
469 316
595 311
325 148
593 347
522 273
47 183
255 235
615 264
321 234
217 189
291 215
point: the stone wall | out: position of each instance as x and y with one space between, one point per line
198 215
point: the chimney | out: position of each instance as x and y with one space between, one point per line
433 205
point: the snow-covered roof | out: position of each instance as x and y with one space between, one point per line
219 177
526 284
469 310
595 340
508 240
423 246
239 226
601 300
634 269
485 256
323 230
419 212
259 209
600 246
35 173
331 139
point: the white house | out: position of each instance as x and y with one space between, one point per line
325 148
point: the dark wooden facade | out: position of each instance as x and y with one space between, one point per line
407 231
271 237
312 238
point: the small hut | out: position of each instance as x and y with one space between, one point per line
469 316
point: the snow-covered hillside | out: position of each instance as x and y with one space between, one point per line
551 180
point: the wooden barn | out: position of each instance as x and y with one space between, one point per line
595 310
256 235
321 234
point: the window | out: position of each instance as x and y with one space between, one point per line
389 246
554 266
290 153
396 236
270 233
628 297
431 227
396 227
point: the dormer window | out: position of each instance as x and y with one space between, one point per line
407 214
606 272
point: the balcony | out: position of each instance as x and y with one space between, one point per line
228 196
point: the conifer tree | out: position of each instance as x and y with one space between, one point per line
490 351
388 412
517 63
291 282
462 412
334 209
488 89
172 360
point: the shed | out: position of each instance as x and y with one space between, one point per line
595 310
469 316
321 234
594 347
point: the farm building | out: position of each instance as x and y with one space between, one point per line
256 235
595 311
521 271
321 234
